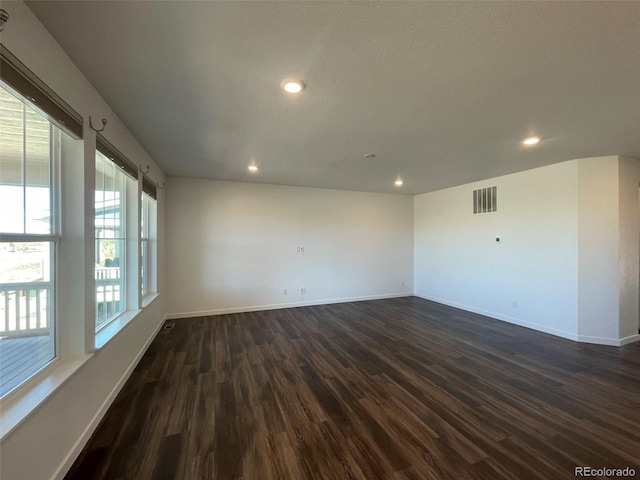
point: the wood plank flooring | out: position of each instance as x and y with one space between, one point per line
21 357
388 389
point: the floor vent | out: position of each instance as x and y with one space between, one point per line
485 200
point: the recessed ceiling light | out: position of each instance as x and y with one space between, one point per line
292 85
399 182
369 155
529 141
253 168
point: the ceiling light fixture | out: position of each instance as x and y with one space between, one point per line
530 141
292 85
399 182
253 168
369 155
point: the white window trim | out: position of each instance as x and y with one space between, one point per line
149 298
109 331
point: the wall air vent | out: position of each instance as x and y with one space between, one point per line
485 200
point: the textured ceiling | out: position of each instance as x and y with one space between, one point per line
441 92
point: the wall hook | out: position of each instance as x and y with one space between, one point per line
161 187
104 125
4 18
145 171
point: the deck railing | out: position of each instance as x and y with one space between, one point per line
25 309
108 294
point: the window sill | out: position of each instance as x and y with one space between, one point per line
109 332
149 298
19 405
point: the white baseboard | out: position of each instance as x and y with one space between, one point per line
535 326
277 306
613 342
629 339
504 318
71 457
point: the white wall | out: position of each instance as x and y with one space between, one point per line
608 237
569 262
599 248
233 246
629 178
58 428
459 263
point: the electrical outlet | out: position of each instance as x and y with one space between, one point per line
515 304
303 291
285 291
402 284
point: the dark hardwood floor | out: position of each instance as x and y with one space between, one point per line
389 389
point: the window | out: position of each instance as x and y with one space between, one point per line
110 240
45 247
148 245
28 240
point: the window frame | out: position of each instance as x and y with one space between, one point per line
148 246
73 233
97 338
122 239
53 237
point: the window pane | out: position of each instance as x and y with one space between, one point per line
11 163
110 241
109 280
111 200
27 337
144 217
148 220
37 181
144 267
27 269
100 201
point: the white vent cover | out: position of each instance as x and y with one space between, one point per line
485 200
